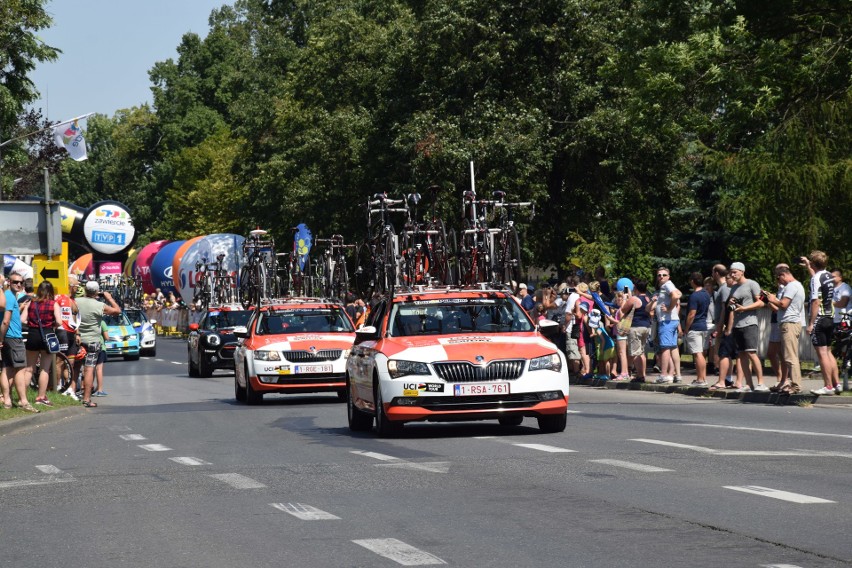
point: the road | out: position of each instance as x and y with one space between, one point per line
171 471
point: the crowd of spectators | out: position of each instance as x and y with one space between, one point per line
618 333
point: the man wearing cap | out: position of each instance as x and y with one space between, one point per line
12 345
527 301
92 312
744 302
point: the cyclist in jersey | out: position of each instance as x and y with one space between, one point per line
67 331
821 322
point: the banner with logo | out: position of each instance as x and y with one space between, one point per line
304 240
69 135
108 228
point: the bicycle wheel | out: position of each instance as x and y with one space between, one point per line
340 279
513 266
389 264
440 252
308 277
64 372
248 287
364 282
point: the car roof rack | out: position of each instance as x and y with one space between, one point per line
450 289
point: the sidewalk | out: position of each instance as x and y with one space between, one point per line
810 381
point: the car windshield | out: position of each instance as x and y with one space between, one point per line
120 319
226 320
304 320
136 316
457 315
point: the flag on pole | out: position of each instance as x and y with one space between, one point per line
69 135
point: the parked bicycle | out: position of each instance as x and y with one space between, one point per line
332 275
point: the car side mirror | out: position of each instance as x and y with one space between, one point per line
241 332
549 329
366 333
193 327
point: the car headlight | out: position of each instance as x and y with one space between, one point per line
267 356
549 362
399 368
213 340
149 333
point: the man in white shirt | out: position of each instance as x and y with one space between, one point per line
842 294
791 306
666 306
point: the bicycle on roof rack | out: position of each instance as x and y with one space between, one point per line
258 278
213 284
425 250
378 256
490 253
298 280
332 276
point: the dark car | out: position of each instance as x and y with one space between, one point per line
212 342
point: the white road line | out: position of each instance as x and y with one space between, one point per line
32 482
777 494
177 362
780 566
374 455
49 469
130 437
434 467
633 466
190 461
305 512
399 552
155 447
238 481
791 432
754 453
573 412
484 437
160 360
545 448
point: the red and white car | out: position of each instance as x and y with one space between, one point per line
452 355
293 346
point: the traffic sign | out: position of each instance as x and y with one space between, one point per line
53 271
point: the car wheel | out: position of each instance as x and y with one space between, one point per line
252 396
204 367
131 357
510 420
193 368
359 421
239 392
152 352
552 423
341 395
384 427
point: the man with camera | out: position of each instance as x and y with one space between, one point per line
91 311
745 299
790 302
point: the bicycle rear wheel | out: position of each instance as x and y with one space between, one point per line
340 279
441 253
64 372
364 272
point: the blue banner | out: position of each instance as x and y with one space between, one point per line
304 240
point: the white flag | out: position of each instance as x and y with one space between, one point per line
69 135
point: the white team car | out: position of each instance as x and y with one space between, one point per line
451 355
293 346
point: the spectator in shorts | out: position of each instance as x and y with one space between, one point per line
666 305
67 331
696 327
14 353
91 315
572 326
43 317
821 322
791 310
775 351
640 329
744 301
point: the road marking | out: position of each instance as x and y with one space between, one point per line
177 362
573 412
399 552
434 467
155 447
54 475
305 512
238 481
780 566
130 437
545 448
633 466
777 494
791 432
484 437
374 455
160 360
754 453
190 461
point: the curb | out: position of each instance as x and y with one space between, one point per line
37 420
689 390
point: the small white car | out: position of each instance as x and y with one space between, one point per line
453 355
293 346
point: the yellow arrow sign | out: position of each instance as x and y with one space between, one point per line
53 271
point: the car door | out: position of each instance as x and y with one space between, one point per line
363 356
194 339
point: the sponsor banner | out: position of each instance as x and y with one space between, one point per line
108 228
109 268
161 268
142 269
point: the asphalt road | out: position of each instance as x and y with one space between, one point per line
170 471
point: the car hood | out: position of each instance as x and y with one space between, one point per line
302 341
120 330
488 347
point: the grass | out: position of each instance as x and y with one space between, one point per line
58 400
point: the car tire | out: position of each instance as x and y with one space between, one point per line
131 357
204 368
193 368
510 420
552 423
152 352
342 395
239 392
252 396
384 427
359 421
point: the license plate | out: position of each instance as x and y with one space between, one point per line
468 389
313 369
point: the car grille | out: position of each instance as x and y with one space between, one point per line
308 357
479 403
464 372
